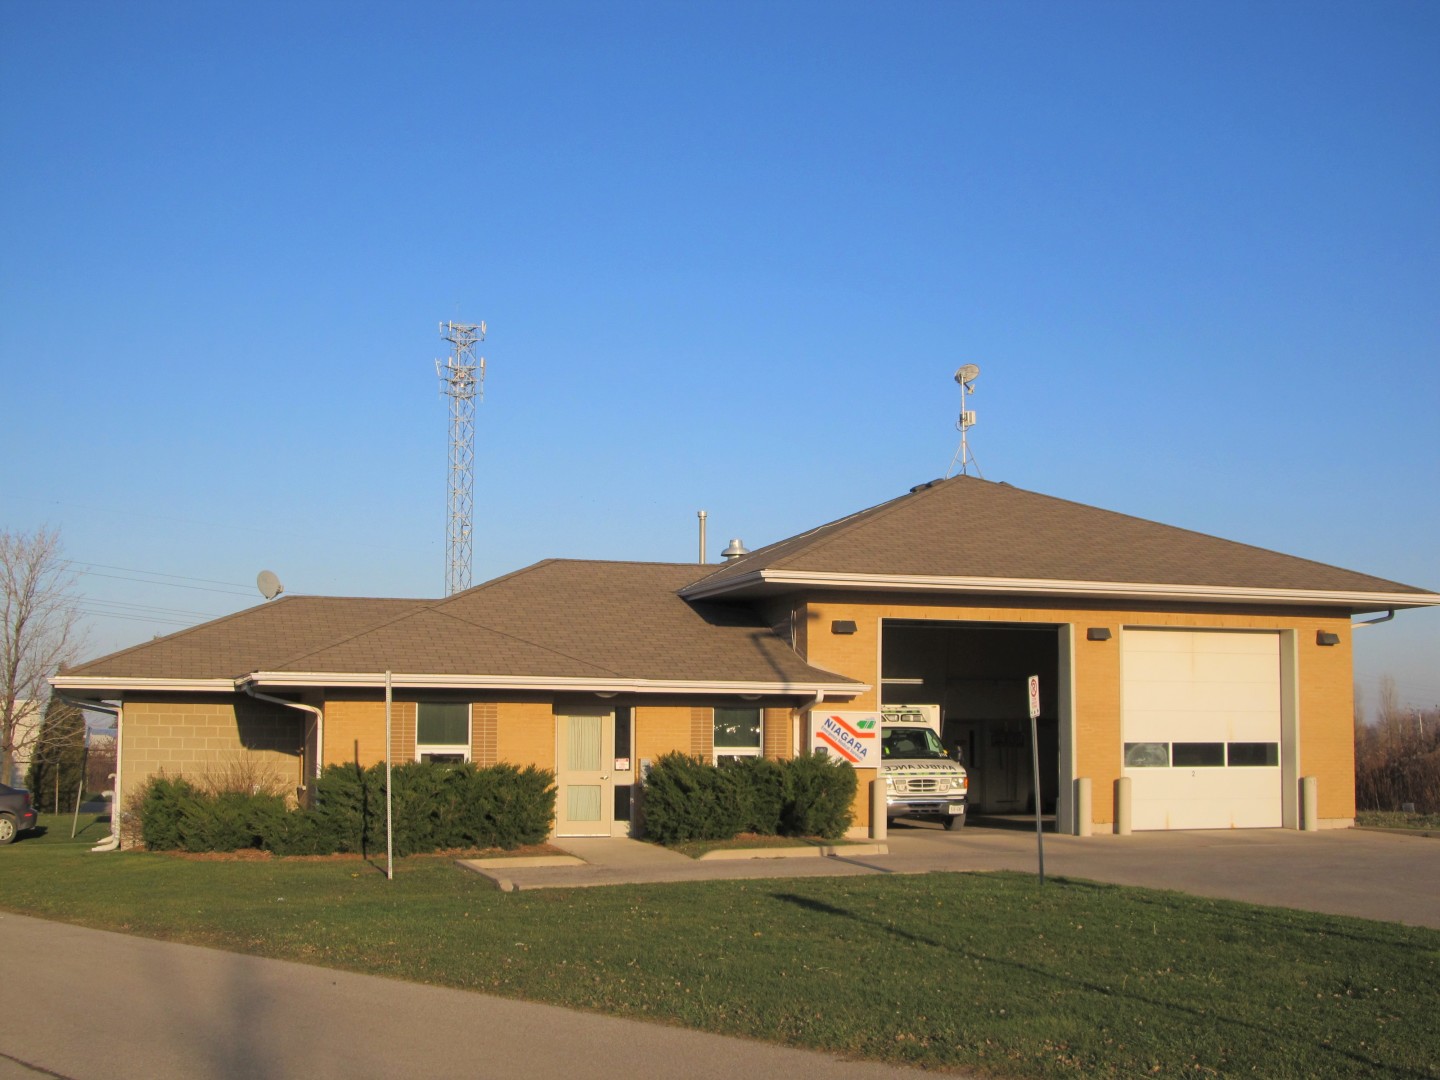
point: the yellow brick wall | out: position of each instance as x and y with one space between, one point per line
1324 676
355 732
1327 721
702 732
526 733
777 727
228 742
662 729
484 732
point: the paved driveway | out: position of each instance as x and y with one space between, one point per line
1373 875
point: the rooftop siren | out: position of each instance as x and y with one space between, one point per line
965 377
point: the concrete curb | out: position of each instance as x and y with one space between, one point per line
522 860
817 852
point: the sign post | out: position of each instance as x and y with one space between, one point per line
1033 688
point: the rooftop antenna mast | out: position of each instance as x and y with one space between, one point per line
966 377
462 380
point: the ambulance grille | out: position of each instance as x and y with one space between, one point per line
925 785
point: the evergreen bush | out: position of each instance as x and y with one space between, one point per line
819 797
435 807
688 799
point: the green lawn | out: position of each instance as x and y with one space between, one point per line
986 972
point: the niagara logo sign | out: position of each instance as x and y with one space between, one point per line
853 736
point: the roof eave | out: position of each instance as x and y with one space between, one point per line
93 685
421 680
763 581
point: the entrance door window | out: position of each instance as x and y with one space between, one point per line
442 731
737 733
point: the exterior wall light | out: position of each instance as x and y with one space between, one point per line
1326 637
842 626
1097 633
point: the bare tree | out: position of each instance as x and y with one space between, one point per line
39 632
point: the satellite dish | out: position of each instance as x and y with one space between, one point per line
269 585
968 373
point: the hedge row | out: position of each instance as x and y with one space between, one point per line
689 799
435 807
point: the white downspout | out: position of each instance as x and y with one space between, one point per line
1371 622
311 709
111 842
802 714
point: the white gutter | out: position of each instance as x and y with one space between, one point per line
168 686
1130 590
530 682
319 718
802 712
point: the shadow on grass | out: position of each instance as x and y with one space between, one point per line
1190 1013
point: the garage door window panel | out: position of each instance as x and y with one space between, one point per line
1147 755
1253 754
1198 755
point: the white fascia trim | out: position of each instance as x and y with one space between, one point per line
1125 590
83 684
279 679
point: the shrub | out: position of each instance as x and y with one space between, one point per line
819 797
166 808
760 787
435 806
688 799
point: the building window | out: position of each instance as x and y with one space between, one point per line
737 733
442 731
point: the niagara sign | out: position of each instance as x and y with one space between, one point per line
853 737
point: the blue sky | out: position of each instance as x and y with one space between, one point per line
729 255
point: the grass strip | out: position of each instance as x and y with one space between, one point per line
980 971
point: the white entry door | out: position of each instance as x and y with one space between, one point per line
585 796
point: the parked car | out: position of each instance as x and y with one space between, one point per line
16 813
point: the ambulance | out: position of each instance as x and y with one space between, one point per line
921 779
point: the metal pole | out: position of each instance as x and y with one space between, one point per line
1039 826
1032 688
389 819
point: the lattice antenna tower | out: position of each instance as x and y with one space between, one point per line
462 380
966 377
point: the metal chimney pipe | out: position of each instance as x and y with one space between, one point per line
701 515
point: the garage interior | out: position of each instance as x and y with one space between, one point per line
976 673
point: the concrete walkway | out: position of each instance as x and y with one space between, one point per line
93 1005
1372 875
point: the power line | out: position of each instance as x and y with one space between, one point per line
167 584
156 573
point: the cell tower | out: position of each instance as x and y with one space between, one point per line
966 377
462 380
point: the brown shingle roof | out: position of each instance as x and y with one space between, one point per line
575 619
970 528
249 640
559 619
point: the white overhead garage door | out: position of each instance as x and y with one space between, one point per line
1201 728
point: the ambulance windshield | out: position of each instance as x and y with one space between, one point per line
910 742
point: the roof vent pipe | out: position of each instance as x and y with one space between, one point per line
734 551
701 515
